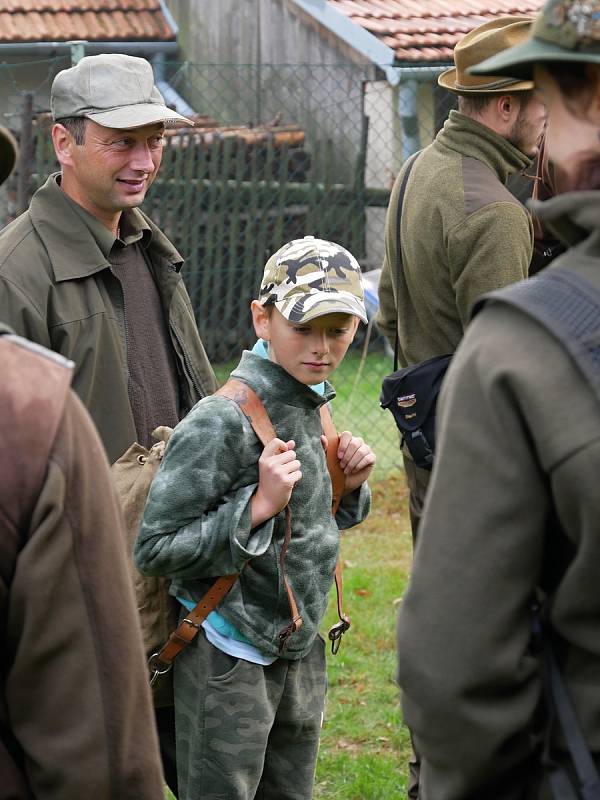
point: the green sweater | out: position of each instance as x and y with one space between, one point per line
463 234
513 506
196 525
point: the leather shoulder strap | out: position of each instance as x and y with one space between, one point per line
336 473
252 408
338 484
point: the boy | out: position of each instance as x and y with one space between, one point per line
249 713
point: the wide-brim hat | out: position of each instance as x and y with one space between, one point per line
113 90
308 278
564 30
8 153
481 43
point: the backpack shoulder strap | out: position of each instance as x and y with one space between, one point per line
568 306
251 406
336 473
338 483
409 165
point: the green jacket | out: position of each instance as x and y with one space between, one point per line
196 525
57 289
463 234
513 506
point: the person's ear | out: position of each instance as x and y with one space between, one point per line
63 145
261 319
507 108
354 326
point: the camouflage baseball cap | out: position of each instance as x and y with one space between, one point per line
113 90
309 277
564 30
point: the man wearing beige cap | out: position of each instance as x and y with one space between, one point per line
85 273
75 711
462 232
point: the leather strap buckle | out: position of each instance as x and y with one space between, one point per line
156 671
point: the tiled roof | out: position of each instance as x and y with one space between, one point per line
427 30
94 20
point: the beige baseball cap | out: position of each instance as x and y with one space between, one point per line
113 90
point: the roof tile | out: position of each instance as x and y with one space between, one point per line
427 30
95 20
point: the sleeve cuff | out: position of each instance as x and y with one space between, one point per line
354 507
248 542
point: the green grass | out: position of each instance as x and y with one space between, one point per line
364 748
356 407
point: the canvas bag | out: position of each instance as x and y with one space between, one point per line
133 474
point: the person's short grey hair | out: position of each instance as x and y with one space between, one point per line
76 127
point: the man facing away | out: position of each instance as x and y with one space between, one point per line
75 708
462 232
85 273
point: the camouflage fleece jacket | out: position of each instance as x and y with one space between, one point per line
196 524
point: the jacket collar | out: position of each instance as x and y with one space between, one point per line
78 244
470 138
573 218
272 382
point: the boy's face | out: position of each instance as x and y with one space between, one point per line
309 351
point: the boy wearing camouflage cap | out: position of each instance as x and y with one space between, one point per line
248 713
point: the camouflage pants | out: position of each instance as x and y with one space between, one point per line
245 731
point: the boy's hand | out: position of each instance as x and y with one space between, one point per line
356 459
279 472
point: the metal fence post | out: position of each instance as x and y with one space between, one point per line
26 153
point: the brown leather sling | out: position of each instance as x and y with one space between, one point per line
255 412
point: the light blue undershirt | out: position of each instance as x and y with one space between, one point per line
219 632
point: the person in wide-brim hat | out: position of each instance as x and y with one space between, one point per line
8 154
531 530
485 41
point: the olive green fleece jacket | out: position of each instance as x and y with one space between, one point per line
513 506
196 524
463 234
57 289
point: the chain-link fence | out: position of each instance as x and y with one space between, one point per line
278 152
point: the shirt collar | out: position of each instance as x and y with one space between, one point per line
77 243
